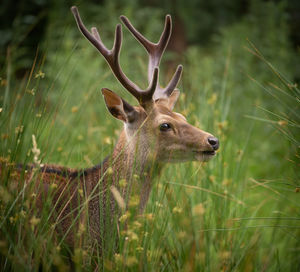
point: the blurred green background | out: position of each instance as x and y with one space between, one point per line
239 212
25 25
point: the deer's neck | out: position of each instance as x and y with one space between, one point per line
132 164
128 168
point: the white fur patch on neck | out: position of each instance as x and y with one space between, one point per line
130 130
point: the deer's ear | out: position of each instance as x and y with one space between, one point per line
172 99
118 107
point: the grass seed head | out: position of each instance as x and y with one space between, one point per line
36 151
117 196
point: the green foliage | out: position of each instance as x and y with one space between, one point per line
239 212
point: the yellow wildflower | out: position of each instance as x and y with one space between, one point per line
80 191
124 217
3 82
74 109
32 91
122 183
200 256
118 258
225 255
157 204
199 209
149 216
181 235
34 221
134 201
81 229
12 219
107 140
212 178
33 195
136 177
132 236
22 213
39 74
131 260
282 123
53 186
109 171
177 210
139 249
19 129
226 182
212 100
136 224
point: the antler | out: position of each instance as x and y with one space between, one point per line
155 52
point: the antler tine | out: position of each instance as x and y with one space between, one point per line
112 58
167 91
152 85
93 39
96 34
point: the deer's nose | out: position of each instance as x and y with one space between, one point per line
214 142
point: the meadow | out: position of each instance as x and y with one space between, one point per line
238 212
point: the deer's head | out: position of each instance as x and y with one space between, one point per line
152 127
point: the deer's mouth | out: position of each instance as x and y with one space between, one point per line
209 153
204 155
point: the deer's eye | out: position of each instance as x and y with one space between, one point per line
164 127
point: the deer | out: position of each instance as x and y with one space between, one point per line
153 135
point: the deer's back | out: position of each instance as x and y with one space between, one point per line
48 184
71 192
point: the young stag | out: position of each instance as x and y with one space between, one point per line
152 136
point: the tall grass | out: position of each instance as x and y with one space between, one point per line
239 212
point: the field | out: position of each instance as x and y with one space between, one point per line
238 212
